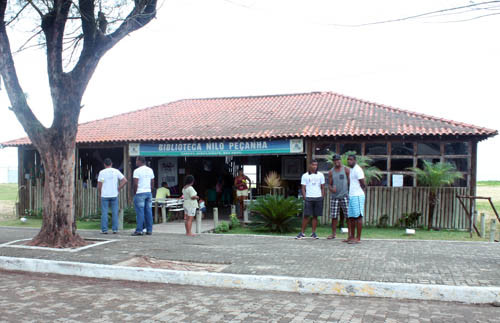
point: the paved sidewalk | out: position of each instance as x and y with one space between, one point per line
178 227
420 262
47 298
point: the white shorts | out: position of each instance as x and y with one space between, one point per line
190 211
241 193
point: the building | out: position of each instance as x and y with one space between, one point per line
211 138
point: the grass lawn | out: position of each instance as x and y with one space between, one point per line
37 223
8 192
378 233
488 183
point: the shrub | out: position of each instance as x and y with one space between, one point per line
222 227
234 221
409 220
129 215
383 221
275 213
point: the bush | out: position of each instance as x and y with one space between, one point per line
275 213
409 220
234 221
222 227
383 221
129 215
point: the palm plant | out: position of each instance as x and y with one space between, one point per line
371 172
435 176
275 213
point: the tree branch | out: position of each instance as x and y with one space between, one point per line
20 106
96 44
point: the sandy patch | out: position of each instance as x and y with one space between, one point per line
150 262
7 210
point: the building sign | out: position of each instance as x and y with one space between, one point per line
219 148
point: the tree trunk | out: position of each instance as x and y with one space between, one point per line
57 151
432 206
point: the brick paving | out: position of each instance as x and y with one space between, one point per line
425 262
47 298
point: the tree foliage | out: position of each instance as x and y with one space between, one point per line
436 175
365 162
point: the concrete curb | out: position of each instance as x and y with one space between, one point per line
465 294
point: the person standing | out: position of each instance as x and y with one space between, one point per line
143 185
356 211
338 184
242 189
190 203
109 184
313 188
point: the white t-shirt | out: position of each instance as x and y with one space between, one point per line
110 178
313 184
355 188
145 175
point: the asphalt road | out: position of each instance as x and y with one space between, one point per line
28 297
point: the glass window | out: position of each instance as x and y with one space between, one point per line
380 163
461 182
407 180
431 148
324 148
401 164
379 182
420 161
350 147
376 149
403 149
323 165
456 148
461 164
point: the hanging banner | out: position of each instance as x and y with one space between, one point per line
219 148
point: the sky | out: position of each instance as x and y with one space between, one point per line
221 48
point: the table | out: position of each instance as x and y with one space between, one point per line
172 204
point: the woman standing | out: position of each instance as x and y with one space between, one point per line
242 189
190 203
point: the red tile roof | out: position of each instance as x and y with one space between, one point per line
315 114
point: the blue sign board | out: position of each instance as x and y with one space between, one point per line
218 148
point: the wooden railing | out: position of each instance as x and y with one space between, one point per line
87 201
395 201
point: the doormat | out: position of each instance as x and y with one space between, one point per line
93 242
150 262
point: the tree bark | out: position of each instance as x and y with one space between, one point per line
57 151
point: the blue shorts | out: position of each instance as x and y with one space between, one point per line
356 206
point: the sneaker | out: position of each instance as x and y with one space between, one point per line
314 236
300 236
149 233
115 232
104 232
137 233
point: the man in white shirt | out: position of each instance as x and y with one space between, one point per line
313 187
143 185
109 183
356 210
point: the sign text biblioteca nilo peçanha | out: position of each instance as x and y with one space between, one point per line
213 146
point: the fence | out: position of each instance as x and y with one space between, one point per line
380 201
395 201
87 201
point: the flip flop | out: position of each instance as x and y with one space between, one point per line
331 237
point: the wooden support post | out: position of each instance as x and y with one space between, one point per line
198 221
493 229
233 209
155 215
216 217
483 225
120 220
